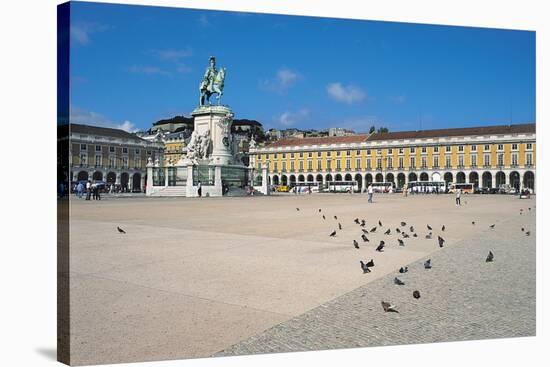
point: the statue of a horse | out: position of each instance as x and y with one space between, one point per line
215 86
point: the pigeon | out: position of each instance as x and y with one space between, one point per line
365 230
403 224
428 264
440 240
529 209
443 228
429 228
398 281
528 233
416 294
339 226
388 231
356 220
297 209
490 257
388 307
379 223
398 230
335 217
403 269
333 233
492 226
405 235
319 210
324 217
364 267
370 264
380 247
355 244
415 235
120 230
401 243
365 239
429 236
473 223
411 229
373 229
363 223
522 229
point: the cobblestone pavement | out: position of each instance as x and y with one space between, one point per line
462 298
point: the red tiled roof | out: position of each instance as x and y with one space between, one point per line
463 131
319 140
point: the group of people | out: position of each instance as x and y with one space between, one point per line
91 190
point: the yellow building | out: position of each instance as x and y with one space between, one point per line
173 145
486 156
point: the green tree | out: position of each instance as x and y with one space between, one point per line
383 130
372 129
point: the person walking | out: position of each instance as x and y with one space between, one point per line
79 190
88 189
370 193
458 192
199 189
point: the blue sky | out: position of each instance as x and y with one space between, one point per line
134 65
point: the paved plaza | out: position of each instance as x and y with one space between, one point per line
226 276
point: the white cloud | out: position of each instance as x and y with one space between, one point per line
283 80
80 32
182 68
398 99
289 118
171 54
144 69
81 116
347 94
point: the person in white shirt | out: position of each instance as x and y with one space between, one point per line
458 192
370 193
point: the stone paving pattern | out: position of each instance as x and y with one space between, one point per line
462 298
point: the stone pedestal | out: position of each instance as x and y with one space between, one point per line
217 121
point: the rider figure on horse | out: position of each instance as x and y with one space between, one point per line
212 82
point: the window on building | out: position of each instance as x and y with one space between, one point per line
448 161
424 162
436 161
514 146
111 149
473 160
461 148
487 147
412 150
309 154
329 164
486 160
390 151
378 163
436 149
338 153
83 159
318 164
358 163
500 159
292 166
124 162
124 150
447 148
400 162
368 151
284 166
291 155
83 147
301 154
148 152
369 166
275 156
378 151
413 162
461 161
98 148
500 147
400 150
348 164
338 166
424 150
529 159
358 152
310 165
348 152
529 146
98 160
275 167
284 155
137 151
390 162
137 162
514 159
473 148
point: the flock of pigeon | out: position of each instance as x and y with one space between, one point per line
404 233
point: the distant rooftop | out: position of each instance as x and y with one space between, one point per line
103 131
